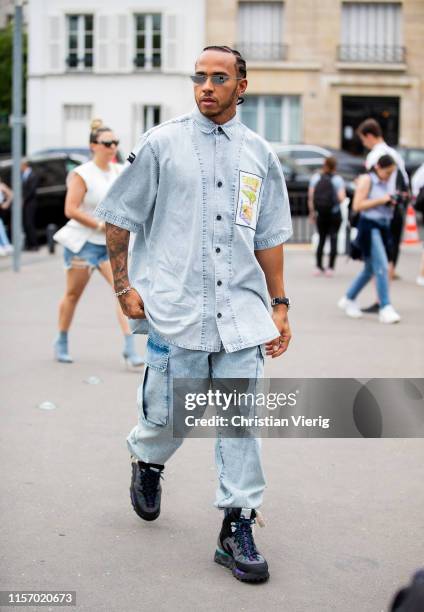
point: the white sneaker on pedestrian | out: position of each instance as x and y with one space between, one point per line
388 315
3 252
350 307
420 281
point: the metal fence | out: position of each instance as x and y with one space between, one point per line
378 54
302 228
262 51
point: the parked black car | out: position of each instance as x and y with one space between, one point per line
413 158
52 171
311 157
71 151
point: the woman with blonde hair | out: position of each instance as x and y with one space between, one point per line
83 237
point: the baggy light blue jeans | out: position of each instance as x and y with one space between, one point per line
375 265
238 460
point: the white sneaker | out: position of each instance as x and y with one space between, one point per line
3 252
350 307
420 281
8 249
388 315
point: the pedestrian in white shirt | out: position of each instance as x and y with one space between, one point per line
371 136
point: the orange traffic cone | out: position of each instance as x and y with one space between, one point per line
411 230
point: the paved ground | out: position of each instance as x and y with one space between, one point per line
344 517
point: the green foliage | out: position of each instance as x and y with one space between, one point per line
6 60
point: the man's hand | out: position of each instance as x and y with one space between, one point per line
132 305
279 345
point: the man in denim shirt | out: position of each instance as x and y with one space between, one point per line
207 201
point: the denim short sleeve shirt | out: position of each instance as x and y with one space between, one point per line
201 198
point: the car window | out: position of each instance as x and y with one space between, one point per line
6 176
71 164
416 156
306 154
52 172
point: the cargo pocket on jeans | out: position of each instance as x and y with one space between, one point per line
153 394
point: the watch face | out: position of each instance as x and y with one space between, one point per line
276 301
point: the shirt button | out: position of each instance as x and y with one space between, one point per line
219 283
218 217
220 130
219 183
217 250
219 315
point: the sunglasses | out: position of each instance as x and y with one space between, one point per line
108 143
217 79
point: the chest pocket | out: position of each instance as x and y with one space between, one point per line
249 194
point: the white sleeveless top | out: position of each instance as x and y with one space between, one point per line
74 234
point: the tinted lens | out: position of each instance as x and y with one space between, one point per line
199 79
217 79
108 143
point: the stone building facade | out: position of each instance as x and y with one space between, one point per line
317 68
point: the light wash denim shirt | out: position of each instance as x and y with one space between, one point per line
378 189
201 198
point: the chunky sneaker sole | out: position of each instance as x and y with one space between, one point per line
139 501
226 560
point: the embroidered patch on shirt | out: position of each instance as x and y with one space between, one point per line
248 199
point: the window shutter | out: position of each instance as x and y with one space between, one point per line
102 43
171 40
56 55
125 34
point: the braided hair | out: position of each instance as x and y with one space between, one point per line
240 61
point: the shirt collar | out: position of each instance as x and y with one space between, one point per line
208 126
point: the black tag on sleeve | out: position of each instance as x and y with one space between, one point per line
131 157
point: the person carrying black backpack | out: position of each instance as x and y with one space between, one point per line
326 192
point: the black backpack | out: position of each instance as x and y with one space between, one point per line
324 194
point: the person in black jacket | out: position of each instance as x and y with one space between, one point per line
29 205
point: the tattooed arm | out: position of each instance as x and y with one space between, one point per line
117 240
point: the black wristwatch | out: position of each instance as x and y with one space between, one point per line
280 300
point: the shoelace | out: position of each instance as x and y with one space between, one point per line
149 483
244 538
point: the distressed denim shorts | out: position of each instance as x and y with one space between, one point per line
90 256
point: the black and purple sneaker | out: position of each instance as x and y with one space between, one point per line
236 547
145 489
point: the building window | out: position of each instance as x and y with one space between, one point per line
275 118
260 31
80 42
76 124
146 116
148 41
371 32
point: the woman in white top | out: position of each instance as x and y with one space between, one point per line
83 237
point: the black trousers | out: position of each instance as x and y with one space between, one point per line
396 230
328 224
29 210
